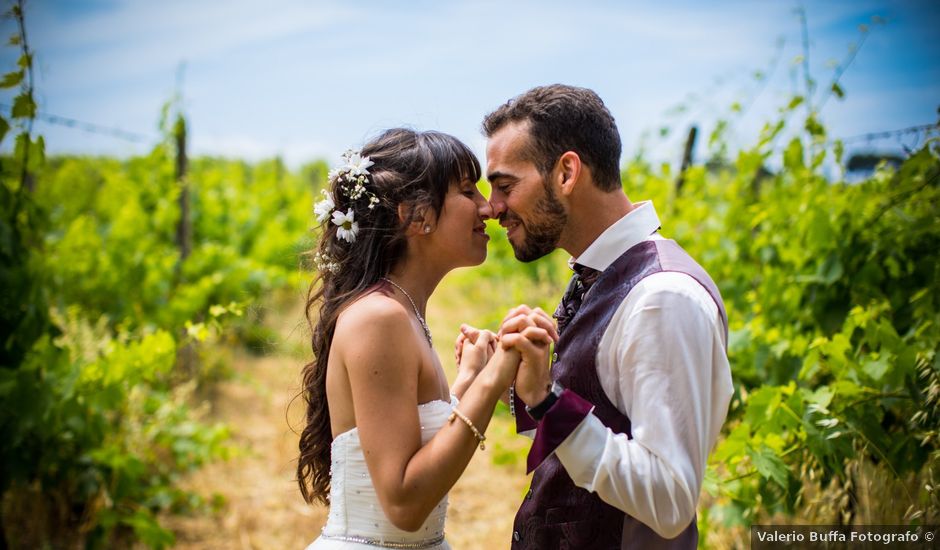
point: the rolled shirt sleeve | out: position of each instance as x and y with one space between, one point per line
564 416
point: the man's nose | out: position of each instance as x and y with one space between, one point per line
497 204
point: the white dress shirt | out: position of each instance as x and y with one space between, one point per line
662 363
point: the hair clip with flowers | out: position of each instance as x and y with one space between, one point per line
324 262
351 178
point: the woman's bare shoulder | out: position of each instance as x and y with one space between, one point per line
374 308
372 334
374 318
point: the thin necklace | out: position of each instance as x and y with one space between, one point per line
424 324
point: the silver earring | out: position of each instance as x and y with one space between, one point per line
427 228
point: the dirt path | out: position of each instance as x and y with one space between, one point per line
263 508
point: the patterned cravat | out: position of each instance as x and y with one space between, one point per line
582 280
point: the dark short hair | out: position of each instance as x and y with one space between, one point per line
564 118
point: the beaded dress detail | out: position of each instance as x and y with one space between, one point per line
356 520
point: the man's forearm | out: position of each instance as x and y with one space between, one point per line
628 476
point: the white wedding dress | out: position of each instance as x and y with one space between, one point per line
356 520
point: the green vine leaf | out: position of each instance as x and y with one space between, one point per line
838 91
23 107
11 79
769 465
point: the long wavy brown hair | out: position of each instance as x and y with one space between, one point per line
411 168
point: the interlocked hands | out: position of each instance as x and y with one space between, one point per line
526 335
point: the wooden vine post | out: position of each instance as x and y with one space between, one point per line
686 158
184 229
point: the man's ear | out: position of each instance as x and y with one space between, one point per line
568 172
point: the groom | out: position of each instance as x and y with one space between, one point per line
627 408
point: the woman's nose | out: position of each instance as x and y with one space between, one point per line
486 210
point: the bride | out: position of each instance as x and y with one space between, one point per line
385 438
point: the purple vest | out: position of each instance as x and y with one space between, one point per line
556 513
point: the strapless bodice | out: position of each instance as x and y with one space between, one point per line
356 519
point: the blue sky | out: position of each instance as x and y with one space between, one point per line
308 79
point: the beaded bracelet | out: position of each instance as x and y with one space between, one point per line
455 413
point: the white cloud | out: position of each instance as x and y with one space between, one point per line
312 78
250 148
141 38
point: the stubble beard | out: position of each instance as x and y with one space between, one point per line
544 230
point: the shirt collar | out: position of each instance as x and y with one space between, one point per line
635 227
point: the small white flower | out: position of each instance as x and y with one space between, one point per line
355 192
348 226
324 262
324 208
333 173
357 164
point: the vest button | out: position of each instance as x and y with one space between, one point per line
515 536
528 496
554 357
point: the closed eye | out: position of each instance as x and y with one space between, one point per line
501 181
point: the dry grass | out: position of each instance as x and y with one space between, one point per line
262 505
263 508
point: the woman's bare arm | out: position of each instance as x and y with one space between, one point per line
381 351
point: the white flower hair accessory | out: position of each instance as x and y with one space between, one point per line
347 225
351 178
356 163
324 208
325 263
